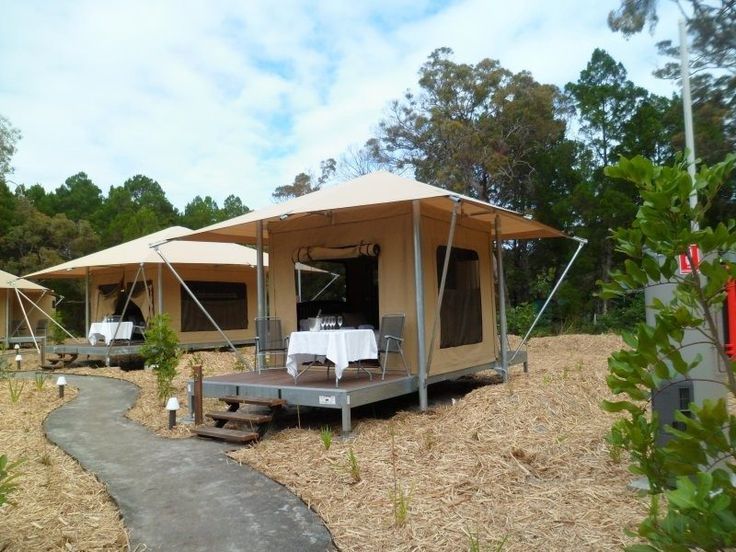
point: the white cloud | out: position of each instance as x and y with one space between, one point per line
234 97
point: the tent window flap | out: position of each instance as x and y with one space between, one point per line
461 319
225 301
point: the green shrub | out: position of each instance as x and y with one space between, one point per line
55 333
161 351
8 475
520 318
623 315
325 436
15 388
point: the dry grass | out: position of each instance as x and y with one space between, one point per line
526 463
58 505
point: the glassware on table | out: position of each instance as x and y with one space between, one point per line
332 322
339 322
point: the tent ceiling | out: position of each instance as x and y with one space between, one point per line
372 190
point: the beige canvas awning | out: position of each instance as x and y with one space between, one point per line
139 251
373 189
9 281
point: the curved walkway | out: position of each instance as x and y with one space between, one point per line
180 494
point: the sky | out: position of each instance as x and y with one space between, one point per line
237 97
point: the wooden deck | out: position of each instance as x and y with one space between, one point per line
316 387
121 349
313 388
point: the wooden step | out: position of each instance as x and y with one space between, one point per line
231 435
240 417
260 401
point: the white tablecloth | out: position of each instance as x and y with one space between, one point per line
108 329
339 346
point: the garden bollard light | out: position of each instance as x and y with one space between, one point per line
18 358
172 405
61 383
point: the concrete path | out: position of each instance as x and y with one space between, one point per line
178 494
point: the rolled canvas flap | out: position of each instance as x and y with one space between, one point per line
306 254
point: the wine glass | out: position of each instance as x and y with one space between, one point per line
339 322
332 322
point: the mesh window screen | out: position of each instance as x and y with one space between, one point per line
461 321
226 302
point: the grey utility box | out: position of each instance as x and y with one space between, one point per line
676 394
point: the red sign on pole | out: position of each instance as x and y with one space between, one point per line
685 267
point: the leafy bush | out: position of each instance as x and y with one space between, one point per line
56 334
623 315
161 351
519 318
691 476
8 475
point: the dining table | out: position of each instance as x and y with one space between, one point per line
341 347
107 330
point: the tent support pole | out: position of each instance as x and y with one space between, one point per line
7 318
443 280
160 290
501 283
28 323
43 312
320 292
122 314
201 307
86 300
260 275
260 289
148 292
419 300
581 243
299 284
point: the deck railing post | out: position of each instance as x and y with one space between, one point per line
197 370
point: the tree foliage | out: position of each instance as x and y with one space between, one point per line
694 470
710 27
305 183
9 136
475 129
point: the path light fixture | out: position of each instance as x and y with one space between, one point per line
17 347
172 405
18 358
61 383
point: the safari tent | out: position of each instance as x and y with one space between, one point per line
221 275
24 310
407 247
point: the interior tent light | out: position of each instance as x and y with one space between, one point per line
172 405
61 383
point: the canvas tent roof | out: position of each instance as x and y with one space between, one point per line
9 281
373 189
139 251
